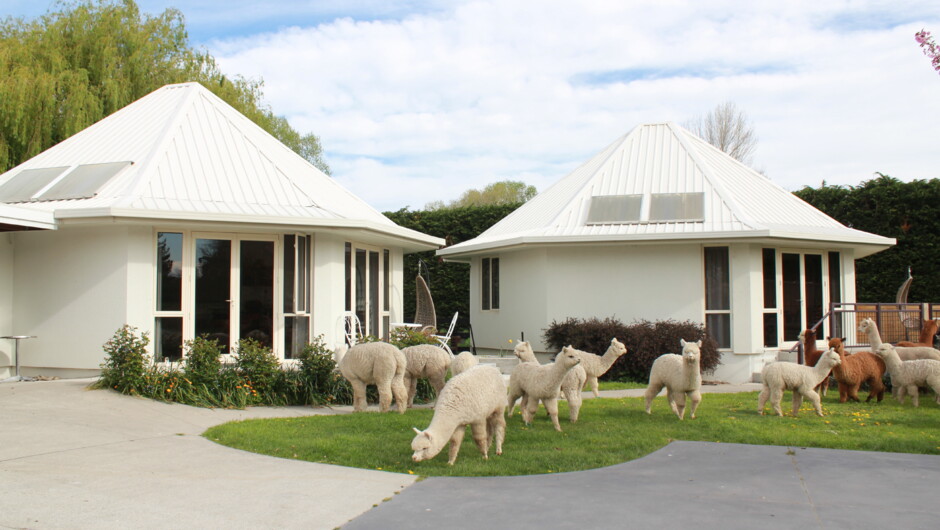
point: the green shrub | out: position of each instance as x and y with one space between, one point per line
645 341
127 361
402 337
202 361
258 366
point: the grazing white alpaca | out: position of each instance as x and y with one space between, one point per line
380 364
597 365
571 385
779 376
476 398
540 382
425 361
463 362
909 375
681 375
870 329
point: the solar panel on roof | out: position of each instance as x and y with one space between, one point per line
27 183
677 207
83 182
614 209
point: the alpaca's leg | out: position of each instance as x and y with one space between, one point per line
528 413
359 395
776 396
594 385
385 395
437 381
514 394
478 431
696 397
915 394
762 399
551 405
400 393
899 392
497 429
574 404
843 392
678 404
652 391
455 440
798 400
411 383
853 391
813 398
875 388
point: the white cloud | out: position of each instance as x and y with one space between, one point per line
423 107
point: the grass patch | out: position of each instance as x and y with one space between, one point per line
610 431
617 385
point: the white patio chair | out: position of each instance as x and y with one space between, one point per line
444 339
352 327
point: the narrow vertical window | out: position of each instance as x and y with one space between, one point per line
494 283
348 276
296 275
835 288
386 293
718 295
168 324
485 284
771 314
490 283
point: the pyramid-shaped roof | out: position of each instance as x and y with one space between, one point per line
645 176
182 153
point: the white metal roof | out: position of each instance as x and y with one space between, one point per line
194 157
665 158
15 218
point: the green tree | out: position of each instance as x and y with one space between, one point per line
503 192
84 60
906 211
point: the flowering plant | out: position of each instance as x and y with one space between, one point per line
930 48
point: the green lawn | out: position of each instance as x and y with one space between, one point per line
609 431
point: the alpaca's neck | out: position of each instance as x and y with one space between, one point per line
610 357
822 370
441 429
809 345
892 363
926 335
691 373
874 338
559 371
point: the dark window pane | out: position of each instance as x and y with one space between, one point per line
169 271
386 270
289 272
813 272
256 306
770 278
770 329
303 274
717 287
213 285
719 327
494 289
348 277
361 289
791 297
296 335
374 293
169 339
835 288
485 283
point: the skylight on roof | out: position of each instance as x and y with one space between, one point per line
27 183
83 182
614 209
675 207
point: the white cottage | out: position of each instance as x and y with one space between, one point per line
180 216
662 225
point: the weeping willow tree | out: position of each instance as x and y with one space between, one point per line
83 60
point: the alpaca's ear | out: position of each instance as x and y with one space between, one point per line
842 339
682 342
417 431
699 343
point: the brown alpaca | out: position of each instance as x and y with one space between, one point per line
811 355
856 369
927 333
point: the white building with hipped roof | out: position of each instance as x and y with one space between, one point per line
662 225
181 217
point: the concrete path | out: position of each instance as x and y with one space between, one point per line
72 458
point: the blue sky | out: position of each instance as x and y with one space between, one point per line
418 101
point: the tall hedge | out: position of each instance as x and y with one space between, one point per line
449 282
645 341
906 211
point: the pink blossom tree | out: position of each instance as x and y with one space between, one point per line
930 48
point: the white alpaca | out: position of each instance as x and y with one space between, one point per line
380 364
597 365
476 398
909 353
909 375
682 377
571 385
540 382
425 361
463 362
779 376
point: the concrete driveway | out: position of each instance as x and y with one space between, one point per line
73 458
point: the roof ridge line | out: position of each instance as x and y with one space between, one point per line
160 147
715 183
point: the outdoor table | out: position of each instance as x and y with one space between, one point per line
16 356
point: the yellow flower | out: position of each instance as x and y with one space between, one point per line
410 472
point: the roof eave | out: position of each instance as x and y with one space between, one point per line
27 218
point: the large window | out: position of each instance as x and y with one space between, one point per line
798 287
718 295
368 275
490 284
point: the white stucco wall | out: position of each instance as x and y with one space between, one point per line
72 293
6 303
